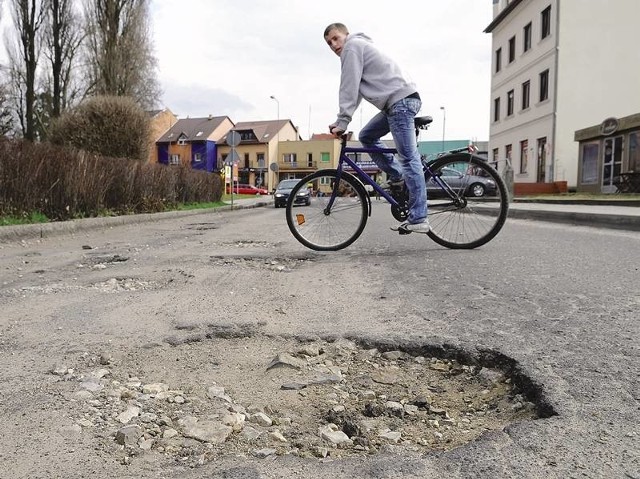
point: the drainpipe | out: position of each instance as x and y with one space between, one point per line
555 97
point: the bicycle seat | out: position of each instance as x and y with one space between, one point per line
422 121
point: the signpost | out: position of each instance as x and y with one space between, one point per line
233 140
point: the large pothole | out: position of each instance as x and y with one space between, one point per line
261 396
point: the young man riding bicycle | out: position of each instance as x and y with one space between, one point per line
367 73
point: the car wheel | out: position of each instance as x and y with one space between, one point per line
477 190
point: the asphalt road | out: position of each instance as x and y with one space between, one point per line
556 304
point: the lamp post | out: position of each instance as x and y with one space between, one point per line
278 132
444 123
278 103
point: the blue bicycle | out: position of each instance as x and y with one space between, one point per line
467 200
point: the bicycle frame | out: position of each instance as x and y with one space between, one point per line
365 178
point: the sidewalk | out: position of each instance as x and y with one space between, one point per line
600 214
43 230
613 214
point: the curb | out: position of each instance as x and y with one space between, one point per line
47 230
542 201
611 221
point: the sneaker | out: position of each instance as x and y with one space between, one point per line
406 228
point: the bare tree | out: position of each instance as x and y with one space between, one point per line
62 40
28 16
120 57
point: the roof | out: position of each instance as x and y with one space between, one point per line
263 131
154 113
322 136
193 129
502 15
329 136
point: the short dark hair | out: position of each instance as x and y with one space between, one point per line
341 27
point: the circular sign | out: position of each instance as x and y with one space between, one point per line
273 166
609 126
233 138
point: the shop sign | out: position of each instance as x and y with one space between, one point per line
609 126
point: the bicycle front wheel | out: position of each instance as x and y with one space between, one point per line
327 214
467 201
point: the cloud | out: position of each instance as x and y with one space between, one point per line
227 57
199 101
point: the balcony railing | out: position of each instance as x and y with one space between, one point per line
297 165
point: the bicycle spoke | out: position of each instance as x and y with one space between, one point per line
466 221
322 228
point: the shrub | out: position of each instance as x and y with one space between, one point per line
112 126
64 183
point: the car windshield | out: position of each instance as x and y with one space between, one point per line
287 184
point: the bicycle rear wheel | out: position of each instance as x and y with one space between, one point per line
331 218
470 206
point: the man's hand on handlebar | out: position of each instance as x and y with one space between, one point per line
335 131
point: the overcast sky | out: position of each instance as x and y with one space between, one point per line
227 57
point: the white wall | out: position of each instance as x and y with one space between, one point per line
537 120
598 70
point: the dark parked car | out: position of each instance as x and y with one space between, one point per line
242 189
281 195
474 185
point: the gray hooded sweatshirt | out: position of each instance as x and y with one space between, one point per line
367 73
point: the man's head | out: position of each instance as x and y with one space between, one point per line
335 35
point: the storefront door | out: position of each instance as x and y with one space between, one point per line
542 160
612 163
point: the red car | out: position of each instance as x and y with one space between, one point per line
242 189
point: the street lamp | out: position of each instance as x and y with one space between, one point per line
444 122
276 100
278 131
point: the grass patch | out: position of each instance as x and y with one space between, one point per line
23 220
585 196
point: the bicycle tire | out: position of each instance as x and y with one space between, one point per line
328 230
472 221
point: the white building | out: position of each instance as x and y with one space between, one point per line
559 66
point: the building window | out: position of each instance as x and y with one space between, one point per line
512 49
590 154
325 157
289 158
526 38
494 158
498 60
174 160
524 156
634 151
182 142
544 85
545 19
526 90
510 102
197 158
260 160
310 160
246 161
496 109
507 154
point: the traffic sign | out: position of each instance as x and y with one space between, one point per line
233 138
232 157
